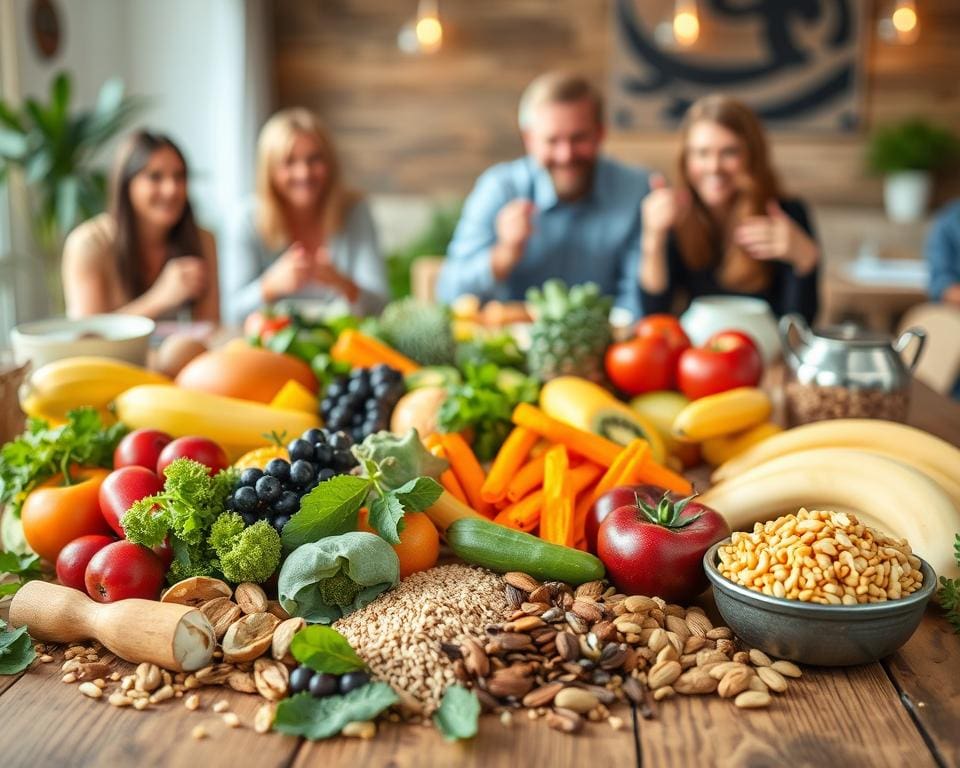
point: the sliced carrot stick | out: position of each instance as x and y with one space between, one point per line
524 515
528 478
613 477
648 471
598 449
467 469
362 351
447 478
556 519
511 456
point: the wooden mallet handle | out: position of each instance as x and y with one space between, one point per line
173 636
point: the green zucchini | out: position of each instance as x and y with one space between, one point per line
503 549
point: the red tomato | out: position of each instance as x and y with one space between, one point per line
657 547
123 570
73 558
728 360
664 327
199 449
611 500
122 488
54 514
140 448
640 365
263 326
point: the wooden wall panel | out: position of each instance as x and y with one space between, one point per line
430 125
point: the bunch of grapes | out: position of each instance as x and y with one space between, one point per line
362 402
274 492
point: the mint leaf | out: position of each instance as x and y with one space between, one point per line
16 650
329 509
313 718
457 717
323 649
24 567
418 494
386 515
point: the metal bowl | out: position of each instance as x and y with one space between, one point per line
816 634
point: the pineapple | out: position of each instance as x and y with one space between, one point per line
570 332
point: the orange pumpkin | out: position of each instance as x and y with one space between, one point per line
250 373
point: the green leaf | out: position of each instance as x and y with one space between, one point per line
68 199
329 509
16 650
323 649
13 145
386 514
60 95
110 98
419 494
459 713
24 567
313 718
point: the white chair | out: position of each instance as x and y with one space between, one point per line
939 364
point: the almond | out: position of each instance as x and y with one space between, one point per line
540 697
283 637
663 673
251 598
221 612
752 700
521 581
734 682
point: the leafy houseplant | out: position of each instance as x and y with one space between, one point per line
907 154
433 241
56 150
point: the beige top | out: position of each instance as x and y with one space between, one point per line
92 284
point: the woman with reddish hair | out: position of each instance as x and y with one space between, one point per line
726 227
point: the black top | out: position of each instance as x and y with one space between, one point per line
786 292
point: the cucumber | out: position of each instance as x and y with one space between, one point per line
502 549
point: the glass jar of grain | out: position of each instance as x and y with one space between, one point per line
846 372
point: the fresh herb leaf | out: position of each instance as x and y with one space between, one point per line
16 650
949 594
386 517
313 718
323 649
329 509
419 494
459 713
24 567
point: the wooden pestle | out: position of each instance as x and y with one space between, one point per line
172 636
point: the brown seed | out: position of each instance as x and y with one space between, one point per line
251 598
249 638
587 610
505 682
633 690
564 720
540 595
534 609
639 604
242 682
575 623
678 626
515 597
568 646
474 658
214 674
525 624
283 637
274 607
195 591
540 697
522 581
591 589
271 678
719 633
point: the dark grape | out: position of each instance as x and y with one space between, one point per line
322 454
268 489
287 504
279 521
245 499
278 468
300 679
300 449
314 436
327 405
343 460
340 441
338 419
382 390
250 476
353 680
325 474
322 684
249 518
302 472
230 505
359 388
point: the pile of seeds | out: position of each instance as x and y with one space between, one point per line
821 557
400 635
568 654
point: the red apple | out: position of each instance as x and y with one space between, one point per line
123 570
122 488
728 360
73 559
200 449
140 448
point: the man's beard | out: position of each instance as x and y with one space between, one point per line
572 186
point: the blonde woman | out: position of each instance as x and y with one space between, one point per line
308 239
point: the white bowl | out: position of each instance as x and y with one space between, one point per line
708 315
125 337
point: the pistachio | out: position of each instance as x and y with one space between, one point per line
221 612
195 591
249 638
251 598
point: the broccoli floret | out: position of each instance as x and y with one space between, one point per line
245 554
338 590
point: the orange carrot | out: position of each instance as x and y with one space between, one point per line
556 519
614 476
524 515
447 479
467 469
528 478
648 471
363 351
598 449
510 458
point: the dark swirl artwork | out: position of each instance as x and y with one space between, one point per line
798 63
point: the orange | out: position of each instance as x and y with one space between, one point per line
260 457
419 545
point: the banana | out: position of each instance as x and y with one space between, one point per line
723 414
60 386
884 493
717 450
238 425
934 456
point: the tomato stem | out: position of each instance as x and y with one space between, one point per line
667 512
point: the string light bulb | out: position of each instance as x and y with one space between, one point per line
902 24
686 22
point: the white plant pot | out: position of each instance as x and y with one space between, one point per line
906 195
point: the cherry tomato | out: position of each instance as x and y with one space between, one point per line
140 448
73 558
123 570
728 359
54 513
122 488
665 327
640 365
199 449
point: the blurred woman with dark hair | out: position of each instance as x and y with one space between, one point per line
145 255
726 228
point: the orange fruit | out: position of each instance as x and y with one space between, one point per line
260 457
419 545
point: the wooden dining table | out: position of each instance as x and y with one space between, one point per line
901 711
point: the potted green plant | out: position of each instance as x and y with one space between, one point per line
907 154
56 149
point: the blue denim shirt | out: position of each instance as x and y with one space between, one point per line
594 238
943 250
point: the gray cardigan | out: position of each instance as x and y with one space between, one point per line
354 252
